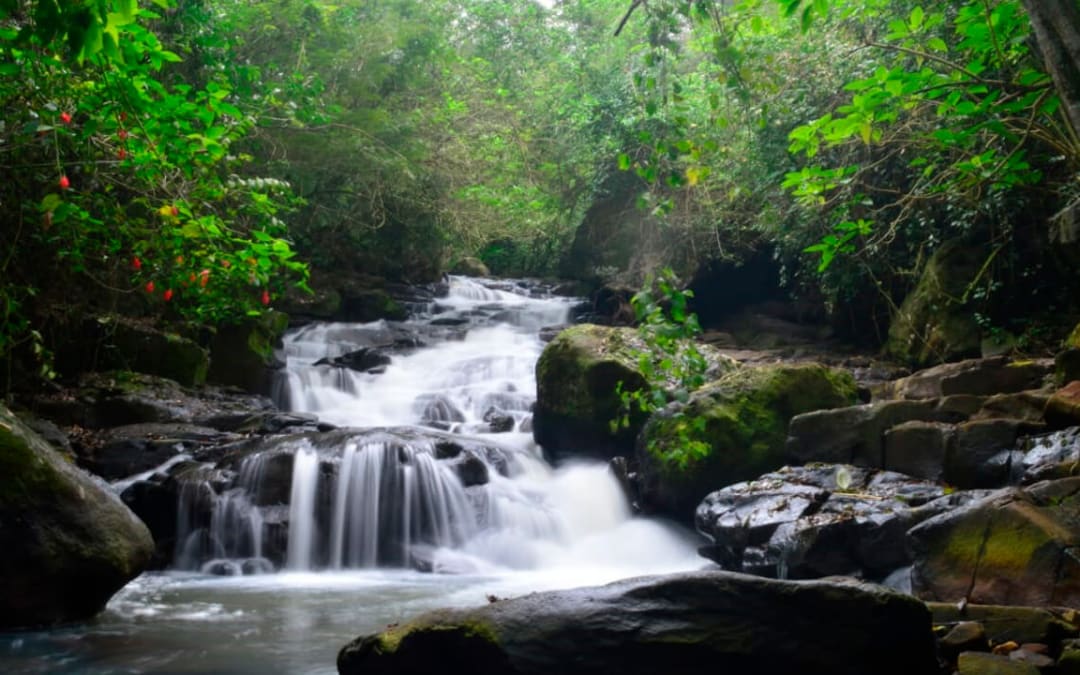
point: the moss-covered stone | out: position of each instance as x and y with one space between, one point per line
577 380
703 622
68 543
242 354
740 421
471 267
935 323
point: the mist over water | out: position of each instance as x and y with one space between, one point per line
388 508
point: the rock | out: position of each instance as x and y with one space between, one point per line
577 401
363 360
932 325
856 434
918 448
437 408
799 523
1030 656
68 541
980 455
322 304
1053 455
135 448
470 267
1010 624
471 469
965 636
1067 366
979 377
1013 547
243 354
1026 406
115 343
686 623
369 304
1063 408
739 423
979 663
499 420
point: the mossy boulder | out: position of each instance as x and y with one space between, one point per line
68 542
577 380
935 322
119 343
471 267
242 354
740 422
1013 547
702 622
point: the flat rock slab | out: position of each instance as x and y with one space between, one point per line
703 622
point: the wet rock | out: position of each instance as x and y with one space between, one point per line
437 408
1026 654
470 267
1010 624
1025 406
1013 547
68 542
685 623
450 321
498 420
971 460
740 424
471 469
363 360
244 354
814 521
123 451
1049 456
964 636
1067 365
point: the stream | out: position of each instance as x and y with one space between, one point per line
488 519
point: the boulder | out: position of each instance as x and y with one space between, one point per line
980 663
1067 365
1063 408
242 354
1052 455
471 267
933 323
981 454
135 448
577 400
1002 623
814 521
978 377
918 448
737 425
701 622
1013 547
363 360
69 543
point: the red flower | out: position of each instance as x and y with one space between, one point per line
175 212
65 117
64 183
122 134
226 264
149 286
136 264
123 116
121 154
204 277
266 297
168 294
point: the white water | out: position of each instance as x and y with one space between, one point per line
535 528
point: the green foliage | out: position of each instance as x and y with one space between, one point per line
670 362
123 184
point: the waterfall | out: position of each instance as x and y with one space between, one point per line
434 467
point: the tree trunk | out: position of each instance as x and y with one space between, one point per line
1056 24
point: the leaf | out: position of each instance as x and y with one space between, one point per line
624 161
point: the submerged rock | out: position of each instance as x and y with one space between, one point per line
740 422
703 622
68 543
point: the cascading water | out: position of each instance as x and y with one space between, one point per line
433 469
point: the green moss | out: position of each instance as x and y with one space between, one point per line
741 419
1006 545
390 640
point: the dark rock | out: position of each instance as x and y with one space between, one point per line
965 636
69 543
244 354
437 408
499 421
1013 547
1067 366
799 523
1063 408
450 321
918 448
471 469
739 422
1038 659
363 360
979 663
470 267
1053 455
970 461
1025 406
1010 624
135 448
685 624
